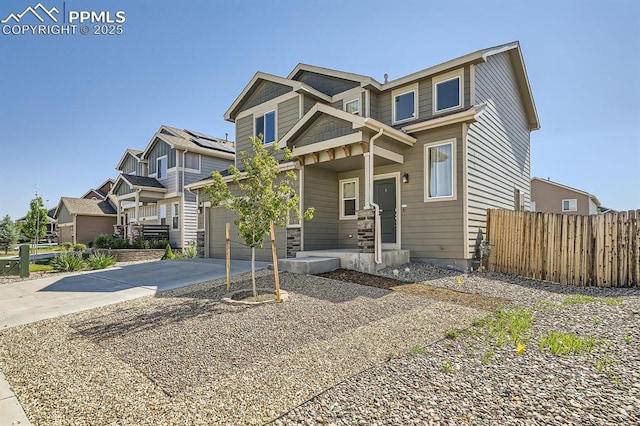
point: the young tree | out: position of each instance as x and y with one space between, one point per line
264 194
9 234
35 224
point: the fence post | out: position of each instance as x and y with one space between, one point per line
24 261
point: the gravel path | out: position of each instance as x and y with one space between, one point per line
471 379
336 353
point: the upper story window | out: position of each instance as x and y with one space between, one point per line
265 125
447 91
440 171
570 205
161 169
349 198
405 103
175 216
353 106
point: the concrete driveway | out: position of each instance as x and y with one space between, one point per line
34 300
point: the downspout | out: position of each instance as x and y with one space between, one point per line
182 204
377 257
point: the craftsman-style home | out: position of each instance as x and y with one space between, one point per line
416 160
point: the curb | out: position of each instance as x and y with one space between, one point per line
11 412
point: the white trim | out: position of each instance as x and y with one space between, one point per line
389 155
400 92
358 111
166 170
275 125
465 192
569 200
470 115
443 78
367 103
454 165
176 203
472 84
342 199
396 176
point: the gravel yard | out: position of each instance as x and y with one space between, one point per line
336 352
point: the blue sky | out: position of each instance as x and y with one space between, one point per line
71 104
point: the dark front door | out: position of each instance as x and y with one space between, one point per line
384 195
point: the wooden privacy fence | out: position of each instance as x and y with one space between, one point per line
597 250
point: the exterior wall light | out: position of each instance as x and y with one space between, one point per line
405 178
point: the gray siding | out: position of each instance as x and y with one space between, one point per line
308 103
266 91
123 189
348 227
287 115
132 166
160 149
324 128
338 104
64 216
321 193
373 105
190 221
244 130
498 153
327 84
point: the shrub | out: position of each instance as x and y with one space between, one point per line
168 253
68 262
100 261
101 241
66 246
190 252
79 247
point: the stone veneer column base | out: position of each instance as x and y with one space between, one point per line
200 243
293 241
366 234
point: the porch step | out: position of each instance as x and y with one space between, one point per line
309 265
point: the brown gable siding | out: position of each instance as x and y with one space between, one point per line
548 198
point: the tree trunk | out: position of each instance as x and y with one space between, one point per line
253 271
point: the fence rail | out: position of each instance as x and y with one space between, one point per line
597 250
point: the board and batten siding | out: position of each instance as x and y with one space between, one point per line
321 193
132 166
160 149
498 146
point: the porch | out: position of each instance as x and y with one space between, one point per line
348 259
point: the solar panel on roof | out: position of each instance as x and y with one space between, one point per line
201 135
213 145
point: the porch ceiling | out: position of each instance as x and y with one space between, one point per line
349 163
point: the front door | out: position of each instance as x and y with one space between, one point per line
384 195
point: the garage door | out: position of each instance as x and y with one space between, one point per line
218 217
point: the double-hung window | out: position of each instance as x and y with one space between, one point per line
162 213
405 103
161 170
440 171
175 216
570 205
349 198
447 91
353 106
265 125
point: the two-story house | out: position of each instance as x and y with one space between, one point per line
150 189
428 153
548 196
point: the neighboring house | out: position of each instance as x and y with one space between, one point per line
101 192
150 189
52 224
81 220
433 149
552 197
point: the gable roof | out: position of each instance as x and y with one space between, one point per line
135 181
568 188
358 123
188 140
258 78
85 207
135 153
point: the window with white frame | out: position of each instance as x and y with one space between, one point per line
175 216
349 198
405 103
570 205
447 91
162 213
265 125
161 169
353 106
439 170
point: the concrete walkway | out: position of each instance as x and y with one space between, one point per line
29 301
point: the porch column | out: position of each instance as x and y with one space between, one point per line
367 181
137 207
119 219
